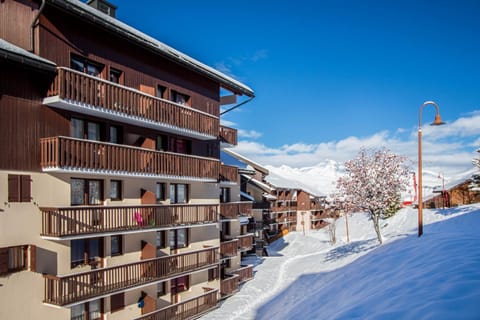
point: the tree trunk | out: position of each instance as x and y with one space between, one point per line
375 219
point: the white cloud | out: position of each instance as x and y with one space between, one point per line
249 134
449 150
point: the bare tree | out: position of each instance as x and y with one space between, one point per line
372 181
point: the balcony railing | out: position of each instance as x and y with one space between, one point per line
228 135
63 153
245 273
115 100
229 286
72 221
234 209
188 309
64 290
229 248
245 242
283 208
228 173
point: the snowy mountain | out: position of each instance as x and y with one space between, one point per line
318 180
436 276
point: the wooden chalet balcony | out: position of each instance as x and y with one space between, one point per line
79 220
234 209
229 248
80 92
70 154
188 309
283 208
245 242
228 173
245 273
229 285
65 290
228 135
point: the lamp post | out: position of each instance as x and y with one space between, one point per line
438 121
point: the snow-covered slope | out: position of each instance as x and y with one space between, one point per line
436 276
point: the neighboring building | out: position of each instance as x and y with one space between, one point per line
109 168
452 195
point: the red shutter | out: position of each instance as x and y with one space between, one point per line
33 258
117 302
25 188
13 188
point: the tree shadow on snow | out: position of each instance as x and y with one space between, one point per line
351 248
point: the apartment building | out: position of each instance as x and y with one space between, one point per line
109 170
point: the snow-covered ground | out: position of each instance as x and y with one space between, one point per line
436 276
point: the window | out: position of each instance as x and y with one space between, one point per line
180 98
160 242
162 92
179 285
161 143
117 302
160 191
180 145
86 192
19 188
116 76
178 238
178 193
161 290
85 65
91 310
115 190
82 129
213 274
85 251
116 244
115 135
224 195
13 259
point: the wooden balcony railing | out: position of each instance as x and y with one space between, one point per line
76 154
245 273
229 286
228 135
283 208
115 99
234 209
78 220
188 309
229 248
64 290
228 173
245 242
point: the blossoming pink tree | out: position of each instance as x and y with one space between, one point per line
372 180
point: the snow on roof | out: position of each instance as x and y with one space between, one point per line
9 50
81 9
245 160
451 183
259 184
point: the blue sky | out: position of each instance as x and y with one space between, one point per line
331 76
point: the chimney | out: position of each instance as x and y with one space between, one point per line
103 6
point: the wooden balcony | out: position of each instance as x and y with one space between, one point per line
228 173
69 154
65 290
228 135
229 285
234 209
80 220
229 248
245 242
245 273
185 310
283 208
79 92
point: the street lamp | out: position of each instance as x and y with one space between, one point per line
438 121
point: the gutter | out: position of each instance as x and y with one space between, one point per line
33 25
43 66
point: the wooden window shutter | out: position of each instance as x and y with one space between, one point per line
3 260
13 188
25 188
33 258
117 302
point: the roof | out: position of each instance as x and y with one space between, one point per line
97 17
243 159
11 52
259 184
